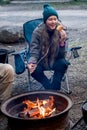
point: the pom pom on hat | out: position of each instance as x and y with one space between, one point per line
48 11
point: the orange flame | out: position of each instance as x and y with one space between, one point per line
40 108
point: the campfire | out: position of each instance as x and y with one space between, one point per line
38 109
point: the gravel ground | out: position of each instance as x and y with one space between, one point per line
77 74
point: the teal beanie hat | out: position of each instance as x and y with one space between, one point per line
48 11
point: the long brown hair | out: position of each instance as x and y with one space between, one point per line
51 43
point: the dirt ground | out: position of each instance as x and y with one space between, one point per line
77 74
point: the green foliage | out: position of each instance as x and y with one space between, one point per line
4 2
73 3
57 4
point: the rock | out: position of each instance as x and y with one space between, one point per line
11 34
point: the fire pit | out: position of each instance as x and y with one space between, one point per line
57 121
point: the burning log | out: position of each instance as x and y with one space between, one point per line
30 104
38 109
23 114
34 113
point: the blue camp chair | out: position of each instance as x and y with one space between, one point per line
22 57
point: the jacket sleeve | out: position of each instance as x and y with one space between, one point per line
34 47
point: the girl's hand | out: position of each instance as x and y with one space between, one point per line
31 67
63 37
61 28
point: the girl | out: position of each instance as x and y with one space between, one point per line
47 50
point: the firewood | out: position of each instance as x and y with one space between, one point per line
34 112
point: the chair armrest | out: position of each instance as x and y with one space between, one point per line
75 48
10 51
73 51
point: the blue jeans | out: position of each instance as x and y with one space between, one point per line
59 67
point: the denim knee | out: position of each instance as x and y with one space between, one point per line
61 65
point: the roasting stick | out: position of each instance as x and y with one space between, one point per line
29 74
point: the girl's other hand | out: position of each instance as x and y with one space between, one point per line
31 67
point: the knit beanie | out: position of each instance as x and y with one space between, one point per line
48 11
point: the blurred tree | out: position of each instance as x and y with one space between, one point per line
4 1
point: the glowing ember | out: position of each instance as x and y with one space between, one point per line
38 108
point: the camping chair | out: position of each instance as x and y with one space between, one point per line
22 57
4 55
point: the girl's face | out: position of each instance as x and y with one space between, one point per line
51 22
